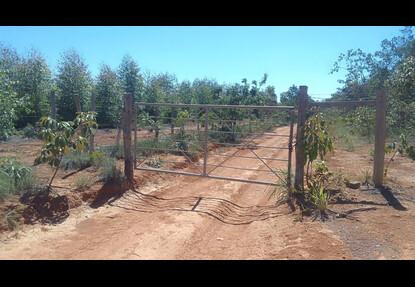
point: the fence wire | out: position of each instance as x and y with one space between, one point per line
210 140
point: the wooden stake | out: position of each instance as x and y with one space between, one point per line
380 138
299 153
127 122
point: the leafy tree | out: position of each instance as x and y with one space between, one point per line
9 101
130 78
73 78
33 88
203 90
8 104
392 67
108 97
185 92
61 137
316 141
290 97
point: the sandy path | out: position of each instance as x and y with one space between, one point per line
160 220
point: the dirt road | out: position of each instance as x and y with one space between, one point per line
182 217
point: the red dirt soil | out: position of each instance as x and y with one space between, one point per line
165 216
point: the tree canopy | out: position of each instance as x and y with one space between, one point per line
391 68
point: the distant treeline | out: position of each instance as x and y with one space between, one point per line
26 83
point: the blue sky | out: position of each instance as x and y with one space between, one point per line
290 55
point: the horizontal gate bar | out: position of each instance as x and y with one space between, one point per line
215 165
218 106
208 176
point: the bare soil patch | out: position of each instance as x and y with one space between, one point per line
165 216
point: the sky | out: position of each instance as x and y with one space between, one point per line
290 55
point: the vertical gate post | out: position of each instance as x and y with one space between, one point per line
380 138
127 122
290 147
299 153
135 125
205 141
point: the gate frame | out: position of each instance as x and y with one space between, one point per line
130 123
380 132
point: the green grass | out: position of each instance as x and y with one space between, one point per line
15 177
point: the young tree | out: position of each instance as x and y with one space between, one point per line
130 78
9 101
33 88
73 79
61 137
290 97
108 97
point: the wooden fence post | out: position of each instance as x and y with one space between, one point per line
135 126
380 138
127 122
299 154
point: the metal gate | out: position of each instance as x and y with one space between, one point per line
206 139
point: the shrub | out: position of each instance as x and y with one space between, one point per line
109 171
15 177
76 160
96 158
318 196
115 150
30 131
84 181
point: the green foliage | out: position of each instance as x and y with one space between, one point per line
319 197
6 184
9 101
316 140
84 181
400 147
15 177
108 97
30 131
12 218
96 158
393 68
284 187
115 150
33 88
76 159
73 78
130 78
154 162
321 173
61 137
110 172
362 121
